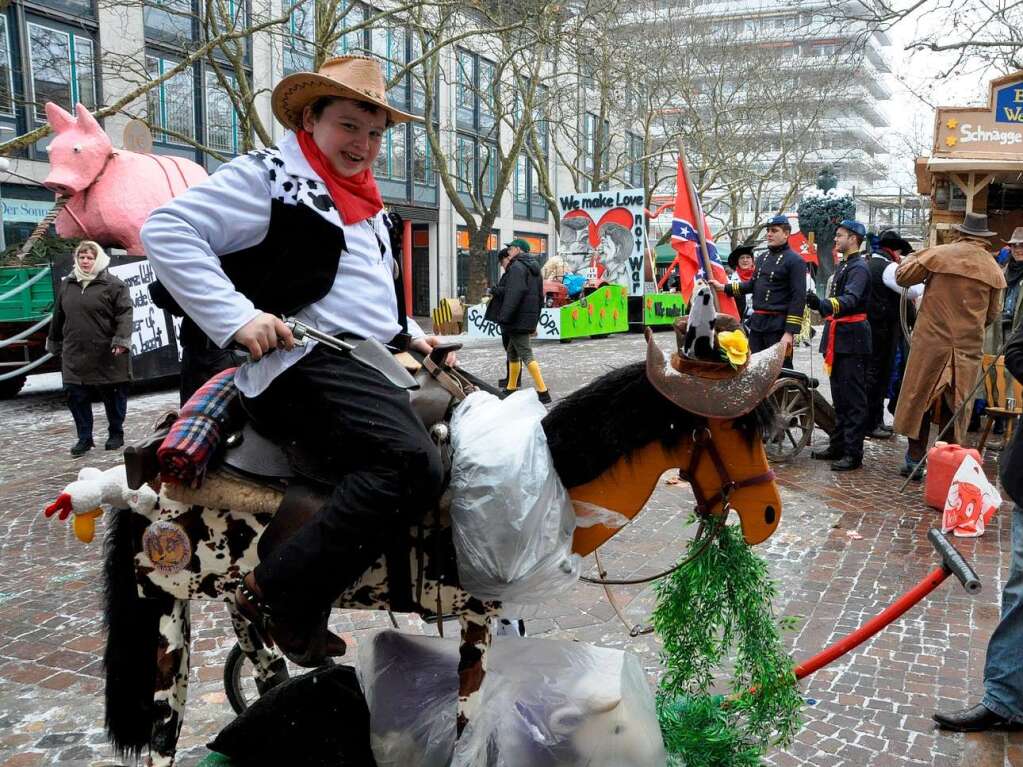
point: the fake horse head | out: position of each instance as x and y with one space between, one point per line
613 440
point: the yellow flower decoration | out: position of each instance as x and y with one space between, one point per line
952 123
734 345
951 140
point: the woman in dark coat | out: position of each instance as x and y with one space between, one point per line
91 333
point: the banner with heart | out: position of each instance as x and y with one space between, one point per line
603 237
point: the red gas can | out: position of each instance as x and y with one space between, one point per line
942 463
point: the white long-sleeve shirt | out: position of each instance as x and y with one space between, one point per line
888 277
229 212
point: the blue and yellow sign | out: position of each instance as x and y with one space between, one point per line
1009 104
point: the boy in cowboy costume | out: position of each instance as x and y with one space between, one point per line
299 229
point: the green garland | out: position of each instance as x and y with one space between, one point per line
717 606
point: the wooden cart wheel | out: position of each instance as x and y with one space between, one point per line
792 426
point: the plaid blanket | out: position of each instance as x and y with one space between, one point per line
195 435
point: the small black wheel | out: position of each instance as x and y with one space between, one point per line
792 425
240 682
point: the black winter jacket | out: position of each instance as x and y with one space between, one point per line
86 325
521 295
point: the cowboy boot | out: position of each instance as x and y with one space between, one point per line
304 641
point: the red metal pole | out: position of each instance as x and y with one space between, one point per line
406 264
867 630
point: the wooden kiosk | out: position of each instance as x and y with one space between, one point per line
977 162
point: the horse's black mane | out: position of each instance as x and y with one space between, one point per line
613 416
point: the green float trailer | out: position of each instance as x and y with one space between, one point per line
657 310
26 303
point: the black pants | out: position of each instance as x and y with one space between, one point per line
115 402
392 475
879 373
199 363
849 394
760 340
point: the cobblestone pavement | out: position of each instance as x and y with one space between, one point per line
847 546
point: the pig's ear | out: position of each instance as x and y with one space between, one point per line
86 121
59 120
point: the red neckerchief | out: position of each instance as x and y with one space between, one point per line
356 197
746 274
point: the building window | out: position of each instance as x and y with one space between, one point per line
6 77
589 149
63 68
390 163
462 259
353 42
172 103
298 46
221 118
521 181
465 88
170 20
537 244
422 162
73 7
540 124
488 169
487 96
635 175
464 162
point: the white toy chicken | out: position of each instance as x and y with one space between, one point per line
94 488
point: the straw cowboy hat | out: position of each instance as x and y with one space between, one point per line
353 77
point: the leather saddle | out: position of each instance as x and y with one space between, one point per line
253 452
256 453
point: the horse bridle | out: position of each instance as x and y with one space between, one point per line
703 442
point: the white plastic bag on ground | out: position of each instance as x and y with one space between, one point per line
512 521
544 704
972 501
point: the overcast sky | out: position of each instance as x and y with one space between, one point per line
915 85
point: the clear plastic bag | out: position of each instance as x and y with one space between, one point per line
512 521
544 704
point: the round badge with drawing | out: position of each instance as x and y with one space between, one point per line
167 546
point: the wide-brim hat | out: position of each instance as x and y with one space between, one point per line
733 257
353 77
714 390
975 225
1017 237
890 239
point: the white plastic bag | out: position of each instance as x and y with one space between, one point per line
544 703
512 521
972 501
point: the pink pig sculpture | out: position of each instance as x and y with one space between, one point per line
111 191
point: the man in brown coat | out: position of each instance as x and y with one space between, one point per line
963 296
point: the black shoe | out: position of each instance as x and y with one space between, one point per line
502 383
81 447
976 719
826 455
544 396
881 432
114 443
847 464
